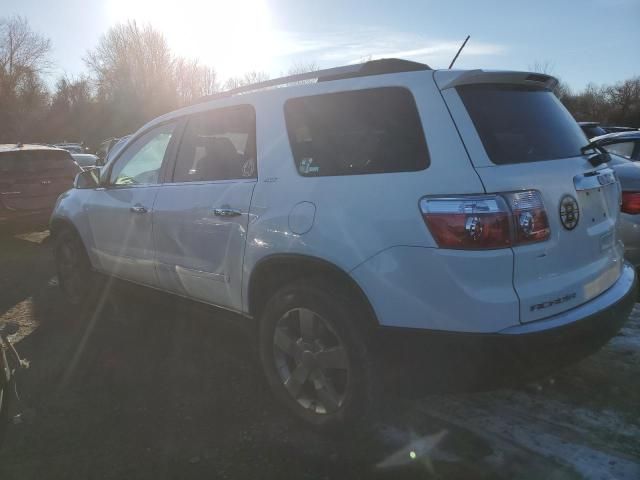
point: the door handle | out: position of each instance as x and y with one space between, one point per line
226 212
138 209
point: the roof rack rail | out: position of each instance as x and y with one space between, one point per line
372 67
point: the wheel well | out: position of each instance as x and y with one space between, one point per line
274 272
60 224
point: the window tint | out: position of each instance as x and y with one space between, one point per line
519 124
32 161
357 132
140 163
624 149
218 145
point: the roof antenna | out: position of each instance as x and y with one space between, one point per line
459 50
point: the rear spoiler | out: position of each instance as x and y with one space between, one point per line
454 78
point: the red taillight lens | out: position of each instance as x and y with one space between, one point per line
630 202
487 221
529 217
468 222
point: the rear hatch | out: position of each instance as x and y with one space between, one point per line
32 179
520 137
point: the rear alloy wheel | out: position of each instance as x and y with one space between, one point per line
311 360
314 355
75 276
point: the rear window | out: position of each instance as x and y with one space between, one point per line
29 161
520 124
357 132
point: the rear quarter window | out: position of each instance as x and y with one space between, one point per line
519 124
356 132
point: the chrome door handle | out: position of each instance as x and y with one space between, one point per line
138 209
226 212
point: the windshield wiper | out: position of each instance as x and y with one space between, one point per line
598 156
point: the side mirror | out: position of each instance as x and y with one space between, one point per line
87 179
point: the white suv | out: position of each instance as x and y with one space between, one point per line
382 200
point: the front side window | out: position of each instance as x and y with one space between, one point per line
141 162
624 149
356 132
218 145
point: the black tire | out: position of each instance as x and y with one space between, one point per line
78 280
342 322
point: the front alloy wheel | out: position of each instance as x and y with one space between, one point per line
74 272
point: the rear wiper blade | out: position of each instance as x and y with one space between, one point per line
598 154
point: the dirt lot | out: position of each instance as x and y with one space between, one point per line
164 392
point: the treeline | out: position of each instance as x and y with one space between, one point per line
617 105
133 76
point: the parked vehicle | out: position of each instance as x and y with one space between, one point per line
628 174
31 178
610 129
592 129
624 144
625 150
384 203
86 160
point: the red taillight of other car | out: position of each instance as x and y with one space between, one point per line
630 202
486 221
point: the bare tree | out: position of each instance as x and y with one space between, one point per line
246 79
22 49
302 67
193 80
24 57
133 69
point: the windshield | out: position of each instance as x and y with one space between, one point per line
519 124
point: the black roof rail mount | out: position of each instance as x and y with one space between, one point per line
372 67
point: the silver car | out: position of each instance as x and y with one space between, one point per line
629 223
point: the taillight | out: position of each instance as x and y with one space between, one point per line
486 221
529 217
630 202
468 222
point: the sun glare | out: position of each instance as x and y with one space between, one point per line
234 36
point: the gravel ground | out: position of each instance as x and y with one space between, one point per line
163 392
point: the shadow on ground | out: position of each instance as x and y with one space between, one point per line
152 388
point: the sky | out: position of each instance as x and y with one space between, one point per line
580 41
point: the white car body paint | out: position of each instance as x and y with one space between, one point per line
368 226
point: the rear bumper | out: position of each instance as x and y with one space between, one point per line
522 352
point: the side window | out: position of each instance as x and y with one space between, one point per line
623 149
140 163
218 145
357 132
